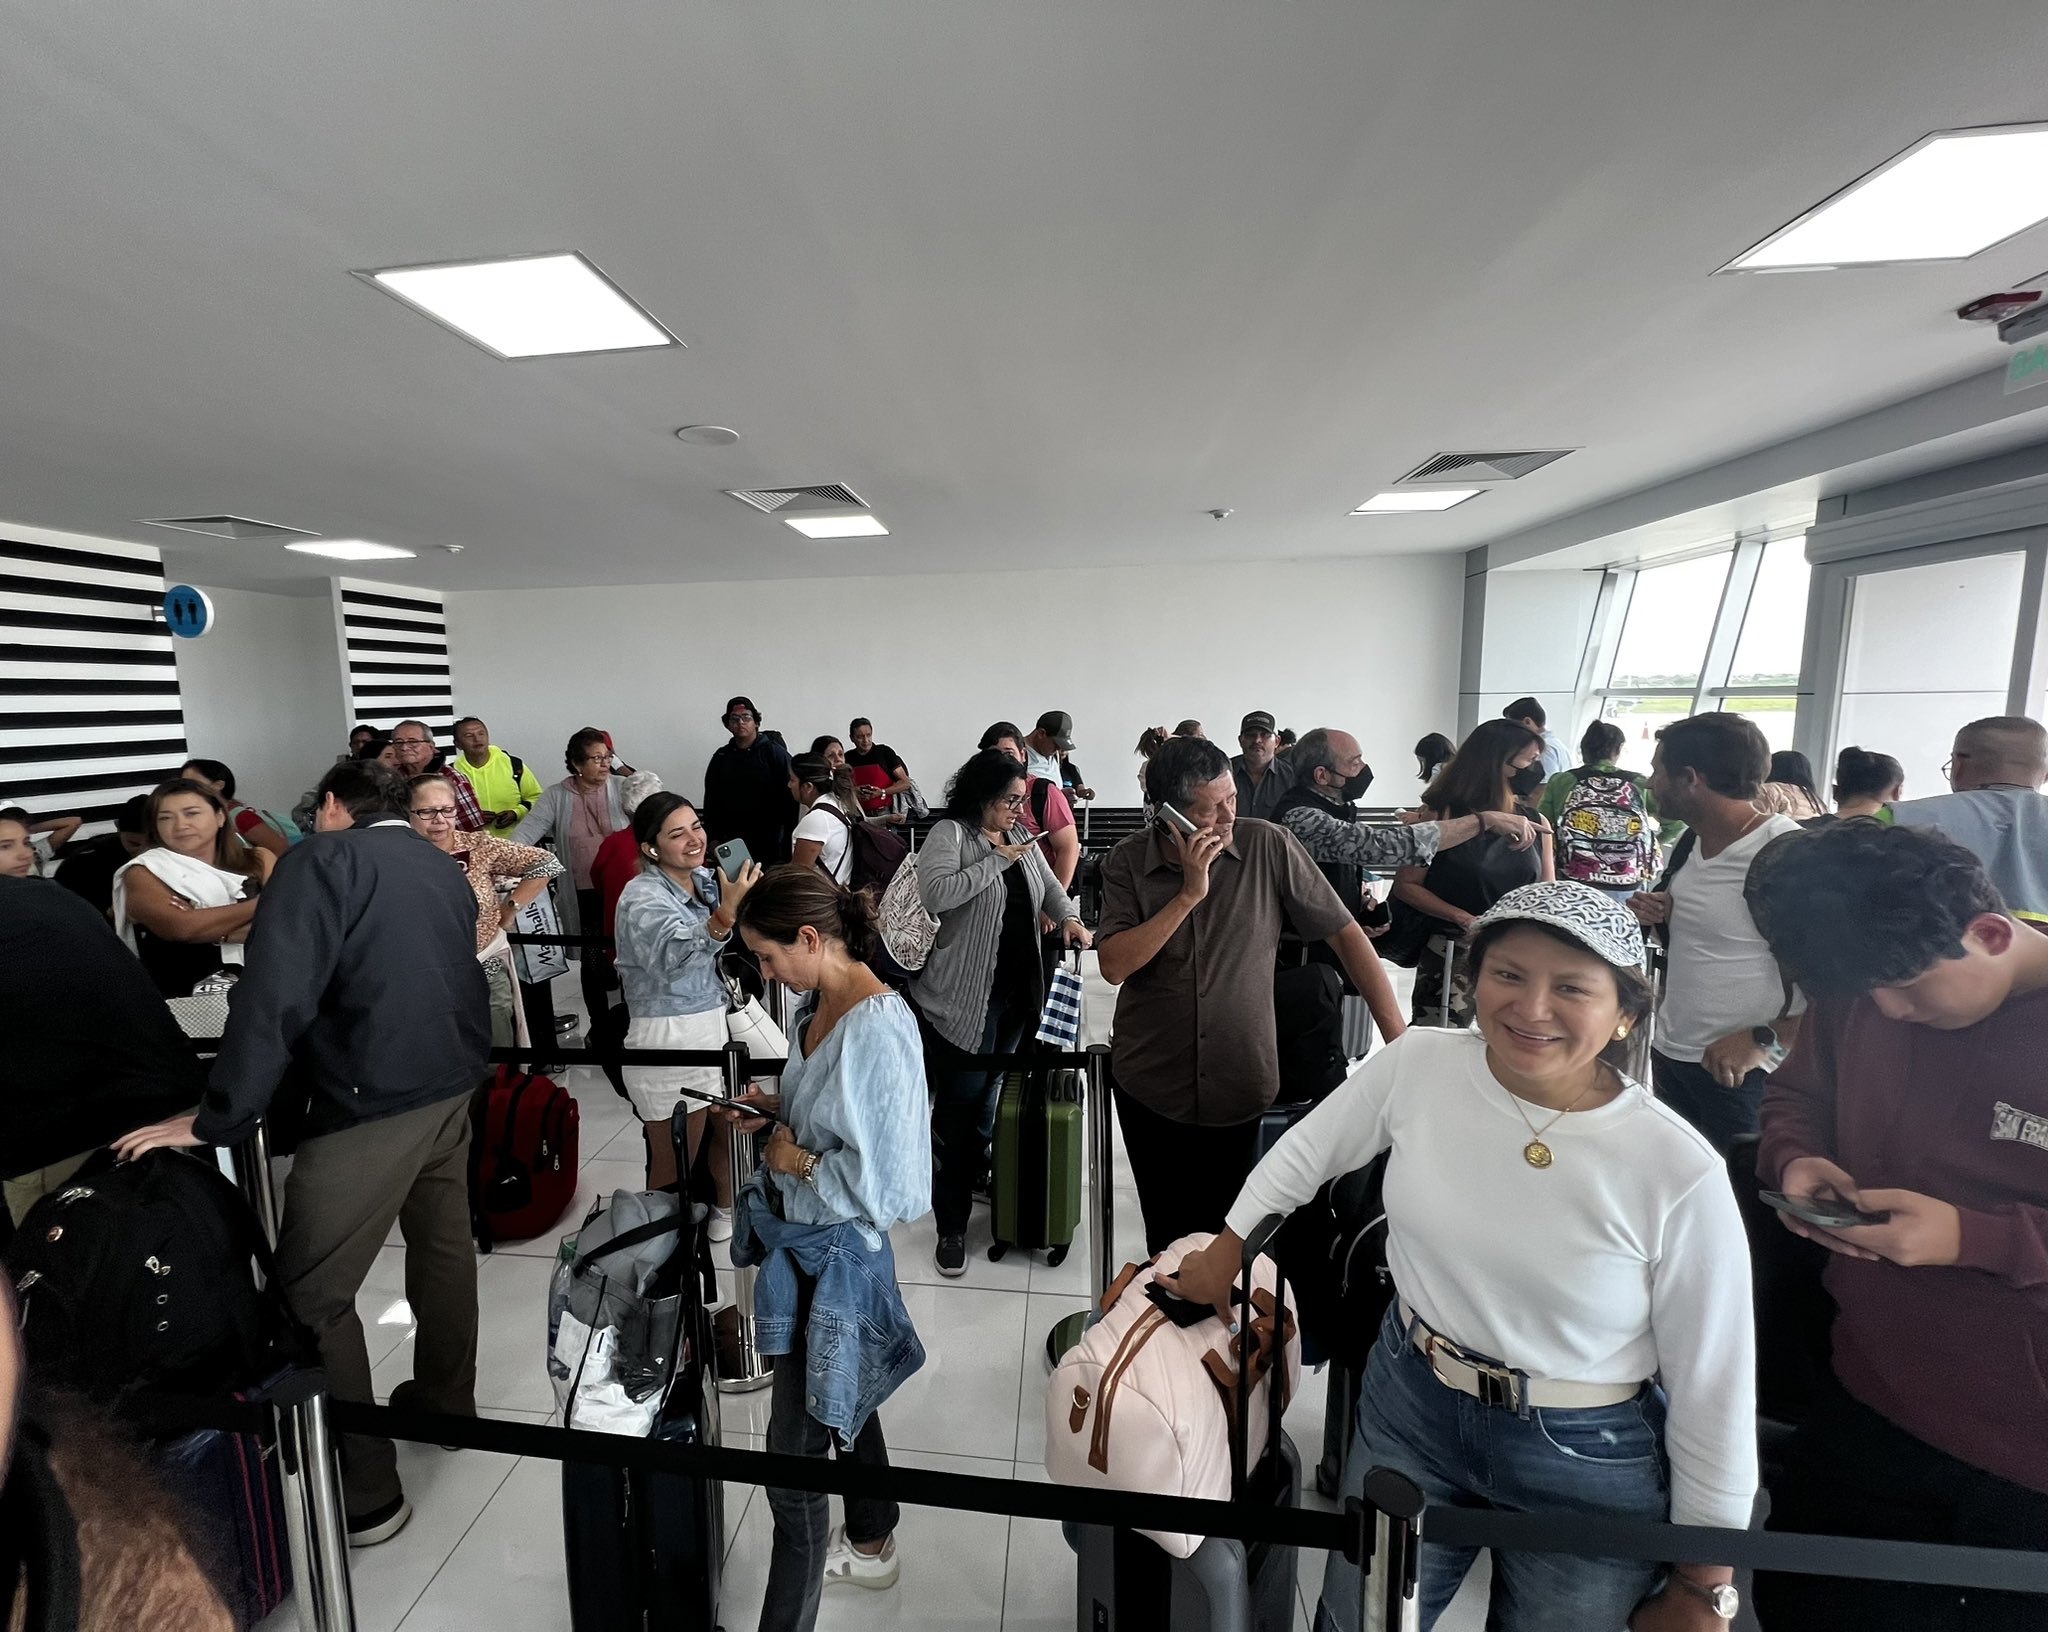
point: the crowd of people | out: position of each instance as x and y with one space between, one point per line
1858 985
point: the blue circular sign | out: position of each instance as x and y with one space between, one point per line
187 611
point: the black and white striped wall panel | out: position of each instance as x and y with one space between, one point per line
395 642
90 712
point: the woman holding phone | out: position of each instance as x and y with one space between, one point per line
673 920
980 991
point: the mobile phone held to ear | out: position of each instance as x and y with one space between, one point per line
1168 817
1829 1212
732 856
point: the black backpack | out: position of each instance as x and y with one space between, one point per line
1334 1252
877 852
139 1275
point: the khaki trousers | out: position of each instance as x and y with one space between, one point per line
345 1191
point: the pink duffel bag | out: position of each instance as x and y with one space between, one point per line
1141 1404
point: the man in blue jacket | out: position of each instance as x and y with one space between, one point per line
362 993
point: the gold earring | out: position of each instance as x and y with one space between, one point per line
1620 1033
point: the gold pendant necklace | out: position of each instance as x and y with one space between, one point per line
1536 1153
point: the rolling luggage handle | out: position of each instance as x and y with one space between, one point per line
741 1367
1256 1243
1102 1266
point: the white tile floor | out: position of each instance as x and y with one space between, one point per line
484 1548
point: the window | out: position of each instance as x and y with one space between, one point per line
1669 622
1640 719
1774 625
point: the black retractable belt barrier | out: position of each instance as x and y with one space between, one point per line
1579 1535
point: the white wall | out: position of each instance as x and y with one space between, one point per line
1368 646
262 692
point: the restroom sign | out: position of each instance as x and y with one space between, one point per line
187 611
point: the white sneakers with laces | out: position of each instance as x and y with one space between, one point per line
847 1566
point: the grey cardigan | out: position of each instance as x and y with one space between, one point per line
548 823
960 880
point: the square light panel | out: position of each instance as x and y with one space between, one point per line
1946 198
352 549
527 305
1415 500
837 526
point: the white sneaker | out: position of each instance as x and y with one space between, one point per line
846 1565
720 1227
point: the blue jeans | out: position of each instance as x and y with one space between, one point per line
1609 1459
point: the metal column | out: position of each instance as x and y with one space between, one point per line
316 1525
1067 1330
741 1367
1388 1600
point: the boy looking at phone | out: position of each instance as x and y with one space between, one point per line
1916 1094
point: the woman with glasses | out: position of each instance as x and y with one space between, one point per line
487 859
573 818
982 987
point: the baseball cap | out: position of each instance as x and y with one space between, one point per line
733 703
1598 922
1257 720
1058 726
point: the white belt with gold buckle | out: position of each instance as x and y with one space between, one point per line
1497 1385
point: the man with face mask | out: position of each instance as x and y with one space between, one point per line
1262 777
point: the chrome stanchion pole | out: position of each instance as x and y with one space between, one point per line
316 1524
1067 1330
1388 1600
741 1366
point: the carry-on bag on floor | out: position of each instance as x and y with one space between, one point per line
1127 1582
1036 1190
645 1551
231 1496
523 1145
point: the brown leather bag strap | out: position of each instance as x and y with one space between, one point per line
1142 1331
1118 1287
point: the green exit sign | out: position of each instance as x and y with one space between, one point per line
2027 368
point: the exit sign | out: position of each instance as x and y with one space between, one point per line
2027 368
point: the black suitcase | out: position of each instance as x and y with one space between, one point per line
231 1497
645 1551
1126 1583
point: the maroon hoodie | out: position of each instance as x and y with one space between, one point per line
1957 1356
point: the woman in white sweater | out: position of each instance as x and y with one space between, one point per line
1561 1242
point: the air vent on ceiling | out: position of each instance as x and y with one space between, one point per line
226 527
822 496
1467 468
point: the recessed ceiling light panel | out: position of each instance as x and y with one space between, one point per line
555 305
1411 501
352 549
1946 198
837 526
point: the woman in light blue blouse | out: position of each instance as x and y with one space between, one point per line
672 921
850 1158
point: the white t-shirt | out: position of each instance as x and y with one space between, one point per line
1626 1260
1721 977
832 833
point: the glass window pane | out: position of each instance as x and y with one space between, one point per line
1640 719
1774 623
1670 619
1774 717
1915 728
1947 626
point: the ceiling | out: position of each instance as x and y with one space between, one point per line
1044 281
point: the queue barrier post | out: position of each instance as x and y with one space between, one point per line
1388 1577
741 1367
1067 1330
316 1528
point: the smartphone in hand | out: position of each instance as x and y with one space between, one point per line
1829 1212
732 856
1167 816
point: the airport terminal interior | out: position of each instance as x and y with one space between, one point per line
1160 380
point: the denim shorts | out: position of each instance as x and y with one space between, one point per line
1607 1459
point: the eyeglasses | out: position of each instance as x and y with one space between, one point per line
434 813
1948 766
412 742
1013 802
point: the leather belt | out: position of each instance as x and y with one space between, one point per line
1491 1383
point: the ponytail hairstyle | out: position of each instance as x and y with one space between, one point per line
813 769
790 897
1861 773
1152 739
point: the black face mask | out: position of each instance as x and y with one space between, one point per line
1527 780
1352 788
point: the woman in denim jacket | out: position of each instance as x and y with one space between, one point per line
850 1158
672 922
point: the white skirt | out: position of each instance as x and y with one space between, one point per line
655 1089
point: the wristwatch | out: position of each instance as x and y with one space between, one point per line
808 1173
1723 1599
1763 1036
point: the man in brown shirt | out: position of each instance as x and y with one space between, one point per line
1190 931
